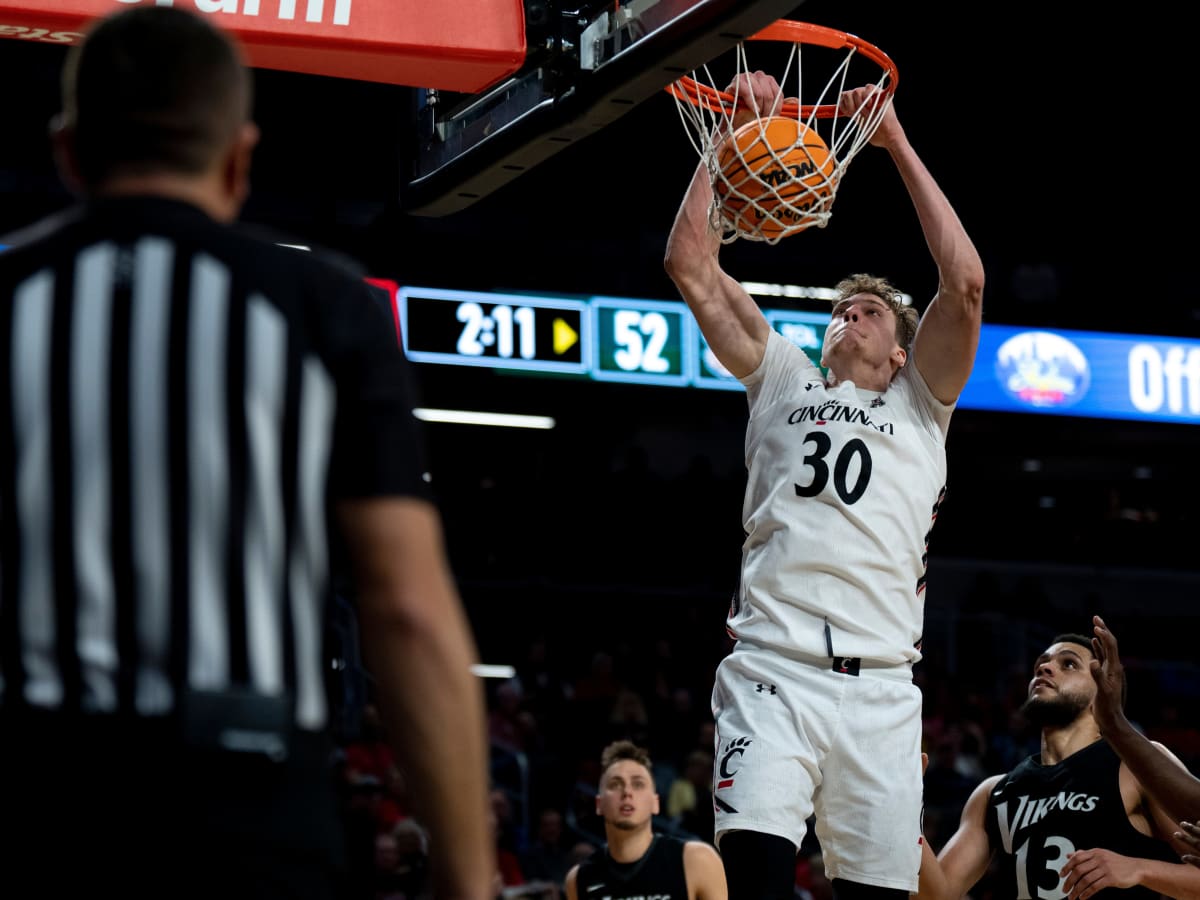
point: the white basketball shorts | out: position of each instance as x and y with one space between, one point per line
796 739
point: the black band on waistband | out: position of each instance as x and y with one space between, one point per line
847 665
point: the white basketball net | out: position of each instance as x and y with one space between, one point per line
805 204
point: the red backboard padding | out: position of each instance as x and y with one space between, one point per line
455 45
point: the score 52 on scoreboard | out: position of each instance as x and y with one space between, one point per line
603 338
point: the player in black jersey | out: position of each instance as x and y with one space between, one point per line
1070 821
636 863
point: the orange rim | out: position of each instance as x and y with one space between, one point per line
788 31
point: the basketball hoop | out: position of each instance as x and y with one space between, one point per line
777 190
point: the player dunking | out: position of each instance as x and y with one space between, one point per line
815 706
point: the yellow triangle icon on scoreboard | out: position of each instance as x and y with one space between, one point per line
565 337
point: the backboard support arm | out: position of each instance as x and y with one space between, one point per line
596 68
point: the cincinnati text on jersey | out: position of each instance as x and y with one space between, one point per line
836 411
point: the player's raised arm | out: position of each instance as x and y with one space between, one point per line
1172 787
730 320
944 348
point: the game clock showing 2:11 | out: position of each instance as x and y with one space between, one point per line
467 328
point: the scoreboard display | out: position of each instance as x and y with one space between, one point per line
615 339
657 342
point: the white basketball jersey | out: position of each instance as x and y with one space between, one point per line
843 488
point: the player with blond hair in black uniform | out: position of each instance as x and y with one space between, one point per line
1067 822
637 863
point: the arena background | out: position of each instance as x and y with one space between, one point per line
601 554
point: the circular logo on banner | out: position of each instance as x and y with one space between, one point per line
1042 369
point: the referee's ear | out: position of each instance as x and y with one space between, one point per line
235 169
62 142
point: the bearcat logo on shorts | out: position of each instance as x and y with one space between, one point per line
730 761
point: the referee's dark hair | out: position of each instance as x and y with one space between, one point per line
179 121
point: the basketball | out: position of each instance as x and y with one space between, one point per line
775 178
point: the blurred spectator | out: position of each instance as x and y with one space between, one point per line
545 688
401 863
598 686
946 790
811 880
388 881
369 753
594 691
1176 731
360 799
507 838
371 803
508 721
677 724
629 718
690 799
394 804
411 843
548 857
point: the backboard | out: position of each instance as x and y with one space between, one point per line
403 42
587 64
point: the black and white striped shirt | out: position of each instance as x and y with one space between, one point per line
177 401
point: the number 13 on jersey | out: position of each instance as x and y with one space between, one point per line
643 341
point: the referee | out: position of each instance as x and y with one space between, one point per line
183 407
